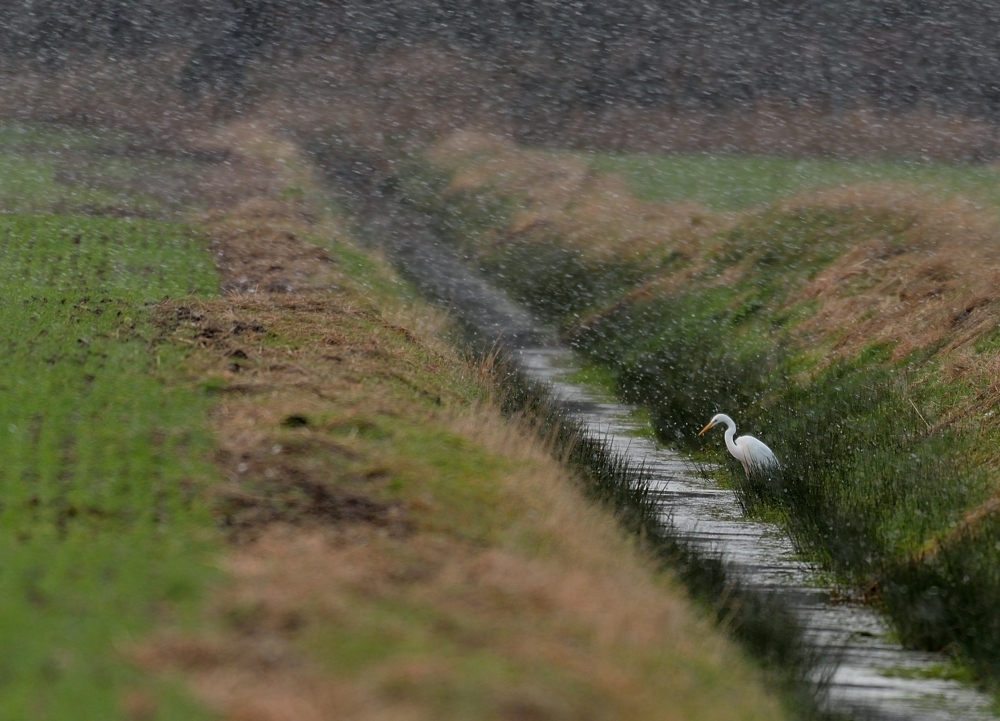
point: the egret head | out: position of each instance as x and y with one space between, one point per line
715 419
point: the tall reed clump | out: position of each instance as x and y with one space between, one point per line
948 598
759 621
865 480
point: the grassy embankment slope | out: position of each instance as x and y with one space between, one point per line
388 544
851 326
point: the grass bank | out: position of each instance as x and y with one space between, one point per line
851 327
295 499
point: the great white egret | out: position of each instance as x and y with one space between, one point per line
753 454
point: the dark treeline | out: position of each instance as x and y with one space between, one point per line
579 54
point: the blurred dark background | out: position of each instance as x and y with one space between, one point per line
639 75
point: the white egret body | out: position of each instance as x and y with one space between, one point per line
754 455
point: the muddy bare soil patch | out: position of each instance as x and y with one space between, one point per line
258 249
288 471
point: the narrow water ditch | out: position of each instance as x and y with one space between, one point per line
866 674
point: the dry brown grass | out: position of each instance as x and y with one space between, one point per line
559 195
934 284
257 245
581 610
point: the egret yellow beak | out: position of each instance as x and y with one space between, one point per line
710 424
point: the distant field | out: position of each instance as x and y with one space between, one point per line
45 169
732 182
100 532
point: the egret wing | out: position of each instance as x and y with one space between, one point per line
758 456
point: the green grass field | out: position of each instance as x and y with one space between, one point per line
733 182
101 457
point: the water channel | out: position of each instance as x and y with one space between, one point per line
868 676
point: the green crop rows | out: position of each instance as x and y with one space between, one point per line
100 459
